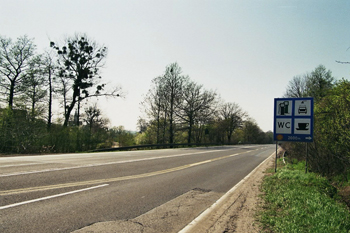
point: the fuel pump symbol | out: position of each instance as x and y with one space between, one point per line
283 108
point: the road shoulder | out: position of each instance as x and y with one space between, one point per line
240 216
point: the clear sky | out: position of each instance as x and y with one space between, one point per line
246 50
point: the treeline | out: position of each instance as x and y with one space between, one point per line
179 110
30 84
67 78
329 153
20 133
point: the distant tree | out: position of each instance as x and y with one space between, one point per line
232 117
297 87
148 136
14 63
156 107
252 132
173 83
161 102
122 136
95 128
63 89
142 125
33 87
194 105
268 137
93 118
319 82
314 84
49 69
79 65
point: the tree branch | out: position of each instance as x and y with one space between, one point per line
343 62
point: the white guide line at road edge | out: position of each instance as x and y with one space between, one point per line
102 164
191 225
50 197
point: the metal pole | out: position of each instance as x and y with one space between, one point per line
307 153
276 159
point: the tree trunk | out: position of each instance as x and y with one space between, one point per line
171 130
49 117
67 114
12 91
76 94
189 134
190 130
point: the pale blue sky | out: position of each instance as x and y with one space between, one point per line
246 50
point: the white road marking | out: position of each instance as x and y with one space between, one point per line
50 197
18 165
115 179
101 164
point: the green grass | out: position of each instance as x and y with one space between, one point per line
299 202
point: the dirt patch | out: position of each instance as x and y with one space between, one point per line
345 195
241 215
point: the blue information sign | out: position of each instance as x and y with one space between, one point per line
293 119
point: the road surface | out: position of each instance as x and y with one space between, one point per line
67 192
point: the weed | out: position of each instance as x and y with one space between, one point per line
299 202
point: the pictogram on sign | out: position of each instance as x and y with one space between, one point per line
293 119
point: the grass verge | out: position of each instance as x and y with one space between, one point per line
299 202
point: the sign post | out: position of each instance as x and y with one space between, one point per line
293 120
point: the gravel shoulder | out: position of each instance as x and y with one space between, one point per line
240 216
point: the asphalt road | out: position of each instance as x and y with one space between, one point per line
66 192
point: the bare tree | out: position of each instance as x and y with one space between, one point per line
96 126
155 107
344 62
49 69
232 118
33 87
14 63
297 87
173 83
175 102
93 117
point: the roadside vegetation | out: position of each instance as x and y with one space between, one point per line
49 103
295 201
316 198
329 153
